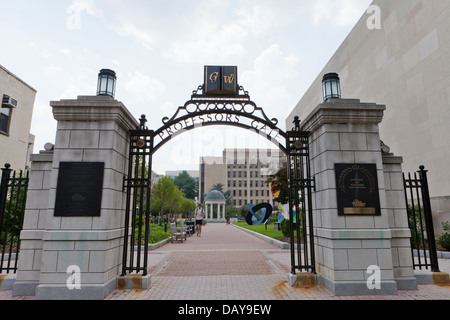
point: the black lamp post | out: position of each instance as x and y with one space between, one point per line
106 83
331 86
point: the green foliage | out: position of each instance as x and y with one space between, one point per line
270 232
232 211
156 234
415 221
187 185
444 238
13 216
280 182
285 227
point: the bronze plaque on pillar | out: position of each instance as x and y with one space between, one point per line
79 189
357 189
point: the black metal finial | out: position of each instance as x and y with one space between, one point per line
296 123
7 165
422 167
142 122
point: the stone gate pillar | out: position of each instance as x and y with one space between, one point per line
91 129
354 247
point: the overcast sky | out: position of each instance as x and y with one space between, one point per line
158 49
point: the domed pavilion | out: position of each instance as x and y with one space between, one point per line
213 198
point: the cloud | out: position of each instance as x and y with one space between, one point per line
76 8
142 87
86 6
340 13
258 19
273 81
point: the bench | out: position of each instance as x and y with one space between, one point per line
177 233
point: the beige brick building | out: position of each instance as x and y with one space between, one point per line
243 172
16 142
406 66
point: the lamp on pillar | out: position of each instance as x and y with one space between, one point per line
106 83
331 86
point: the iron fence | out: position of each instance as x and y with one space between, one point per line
423 242
13 197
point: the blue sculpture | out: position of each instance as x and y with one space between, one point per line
253 218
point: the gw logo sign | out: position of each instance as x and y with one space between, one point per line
220 80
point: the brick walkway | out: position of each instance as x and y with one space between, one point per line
229 264
226 263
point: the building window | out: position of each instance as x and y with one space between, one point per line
245 193
240 193
256 193
5 113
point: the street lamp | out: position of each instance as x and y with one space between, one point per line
106 83
331 86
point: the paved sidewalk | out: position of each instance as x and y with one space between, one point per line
226 263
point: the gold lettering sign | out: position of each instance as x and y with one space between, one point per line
220 80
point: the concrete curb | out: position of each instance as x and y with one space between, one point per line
440 254
278 243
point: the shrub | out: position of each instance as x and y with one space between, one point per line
284 226
444 238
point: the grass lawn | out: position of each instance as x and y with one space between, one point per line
270 232
156 234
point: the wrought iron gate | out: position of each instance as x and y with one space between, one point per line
13 197
138 186
209 107
301 186
423 243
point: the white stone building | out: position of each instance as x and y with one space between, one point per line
16 142
404 65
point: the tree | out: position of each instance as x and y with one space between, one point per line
279 182
163 195
167 198
187 185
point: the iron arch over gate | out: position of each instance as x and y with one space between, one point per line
210 109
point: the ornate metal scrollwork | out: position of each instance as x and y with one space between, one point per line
235 104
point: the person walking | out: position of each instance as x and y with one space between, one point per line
199 215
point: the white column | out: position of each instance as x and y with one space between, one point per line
223 204
206 211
